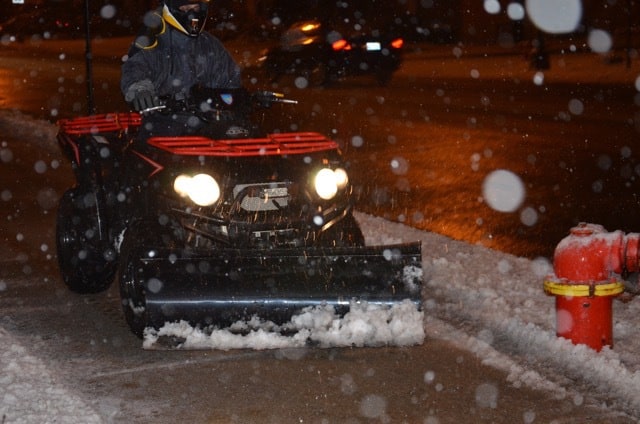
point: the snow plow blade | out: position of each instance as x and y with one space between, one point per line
274 285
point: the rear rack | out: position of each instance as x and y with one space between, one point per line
96 124
273 144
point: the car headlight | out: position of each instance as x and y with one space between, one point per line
329 181
202 189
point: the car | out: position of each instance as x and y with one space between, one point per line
322 52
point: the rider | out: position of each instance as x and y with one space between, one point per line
171 56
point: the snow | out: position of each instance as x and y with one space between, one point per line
555 17
29 390
503 190
364 325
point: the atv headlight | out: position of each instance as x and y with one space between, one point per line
342 179
202 189
329 181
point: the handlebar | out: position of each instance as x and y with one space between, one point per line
152 109
273 97
216 99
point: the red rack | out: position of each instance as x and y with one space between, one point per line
273 144
96 124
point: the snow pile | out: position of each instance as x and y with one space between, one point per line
35 130
29 392
364 325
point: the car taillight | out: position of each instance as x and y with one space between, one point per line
397 43
341 44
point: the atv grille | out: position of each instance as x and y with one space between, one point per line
262 197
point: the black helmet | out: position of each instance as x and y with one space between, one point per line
185 15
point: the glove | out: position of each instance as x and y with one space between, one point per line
145 99
142 95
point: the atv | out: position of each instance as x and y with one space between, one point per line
216 221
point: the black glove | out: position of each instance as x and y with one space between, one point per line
142 95
145 99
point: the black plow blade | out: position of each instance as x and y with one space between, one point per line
275 290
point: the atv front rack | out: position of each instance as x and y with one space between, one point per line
273 144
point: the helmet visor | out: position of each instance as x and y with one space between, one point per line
187 16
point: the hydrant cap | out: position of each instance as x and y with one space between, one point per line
587 229
589 253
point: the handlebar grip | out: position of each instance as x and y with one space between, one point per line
152 109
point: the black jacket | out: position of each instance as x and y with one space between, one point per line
174 62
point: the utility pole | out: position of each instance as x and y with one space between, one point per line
88 57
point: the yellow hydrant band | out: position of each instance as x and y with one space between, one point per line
583 290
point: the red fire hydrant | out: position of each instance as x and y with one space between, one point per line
588 265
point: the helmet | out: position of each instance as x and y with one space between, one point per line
187 16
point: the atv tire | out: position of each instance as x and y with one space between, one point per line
139 238
87 263
132 292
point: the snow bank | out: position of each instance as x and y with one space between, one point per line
39 132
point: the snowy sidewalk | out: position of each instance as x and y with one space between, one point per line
30 391
493 305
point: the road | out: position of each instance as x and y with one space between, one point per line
443 135
446 134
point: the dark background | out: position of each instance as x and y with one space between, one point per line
461 20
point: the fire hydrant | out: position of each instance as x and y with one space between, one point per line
588 264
